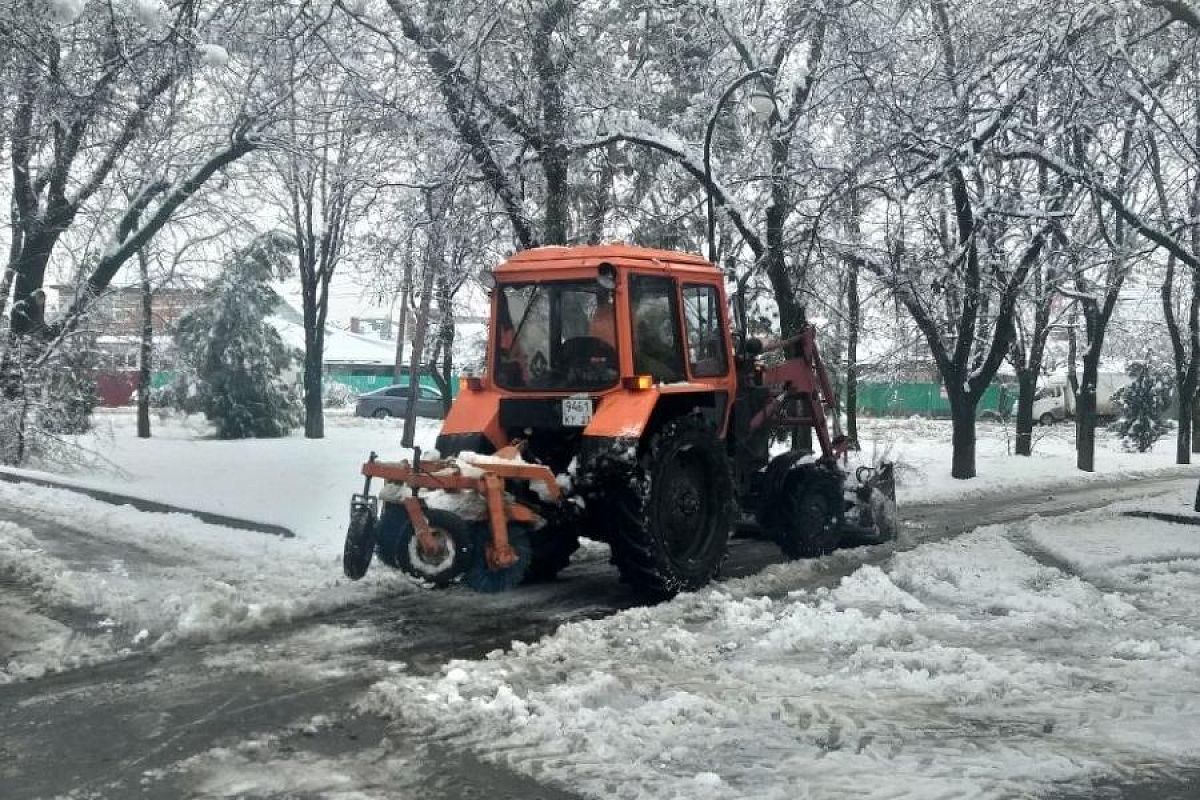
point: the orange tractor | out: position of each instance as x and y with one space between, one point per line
618 405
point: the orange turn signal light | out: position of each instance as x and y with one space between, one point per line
470 384
639 383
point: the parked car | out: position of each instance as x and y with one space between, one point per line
392 401
1055 401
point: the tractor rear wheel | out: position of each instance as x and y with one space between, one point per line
805 525
675 514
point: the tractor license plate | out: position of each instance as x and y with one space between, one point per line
576 411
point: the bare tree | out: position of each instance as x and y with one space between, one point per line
329 161
68 139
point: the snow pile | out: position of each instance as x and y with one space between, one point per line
155 579
970 668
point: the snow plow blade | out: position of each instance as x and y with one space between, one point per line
872 517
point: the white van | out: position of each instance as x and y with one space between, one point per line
1055 401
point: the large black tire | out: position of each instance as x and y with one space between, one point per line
805 525
1047 420
675 513
552 551
360 542
398 544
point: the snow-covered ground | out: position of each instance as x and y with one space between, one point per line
135 579
992 665
301 484
152 579
305 485
921 448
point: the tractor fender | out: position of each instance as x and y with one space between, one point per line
623 415
632 414
473 413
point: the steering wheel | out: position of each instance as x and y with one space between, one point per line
580 355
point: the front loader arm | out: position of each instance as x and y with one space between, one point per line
801 378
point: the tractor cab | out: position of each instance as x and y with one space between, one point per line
614 406
584 346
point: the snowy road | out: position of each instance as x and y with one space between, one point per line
276 709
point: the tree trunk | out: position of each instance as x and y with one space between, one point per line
418 348
28 313
1085 415
402 322
558 213
314 411
434 257
442 373
1196 423
1183 437
853 321
851 401
146 351
962 415
1026 389
314 344
1073 351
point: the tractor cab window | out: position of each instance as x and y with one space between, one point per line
706 342
655 315
557 336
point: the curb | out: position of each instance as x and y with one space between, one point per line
141 504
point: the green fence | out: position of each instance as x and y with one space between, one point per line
368 380
360 380
926 400
874 399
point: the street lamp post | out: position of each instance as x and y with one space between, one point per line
708 134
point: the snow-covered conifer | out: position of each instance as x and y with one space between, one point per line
234 361
1143 403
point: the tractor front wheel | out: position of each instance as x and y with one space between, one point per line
804 524
674 515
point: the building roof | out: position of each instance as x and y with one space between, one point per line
341 347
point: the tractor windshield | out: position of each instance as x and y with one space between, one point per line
557 336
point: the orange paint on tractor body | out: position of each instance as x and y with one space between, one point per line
620 411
